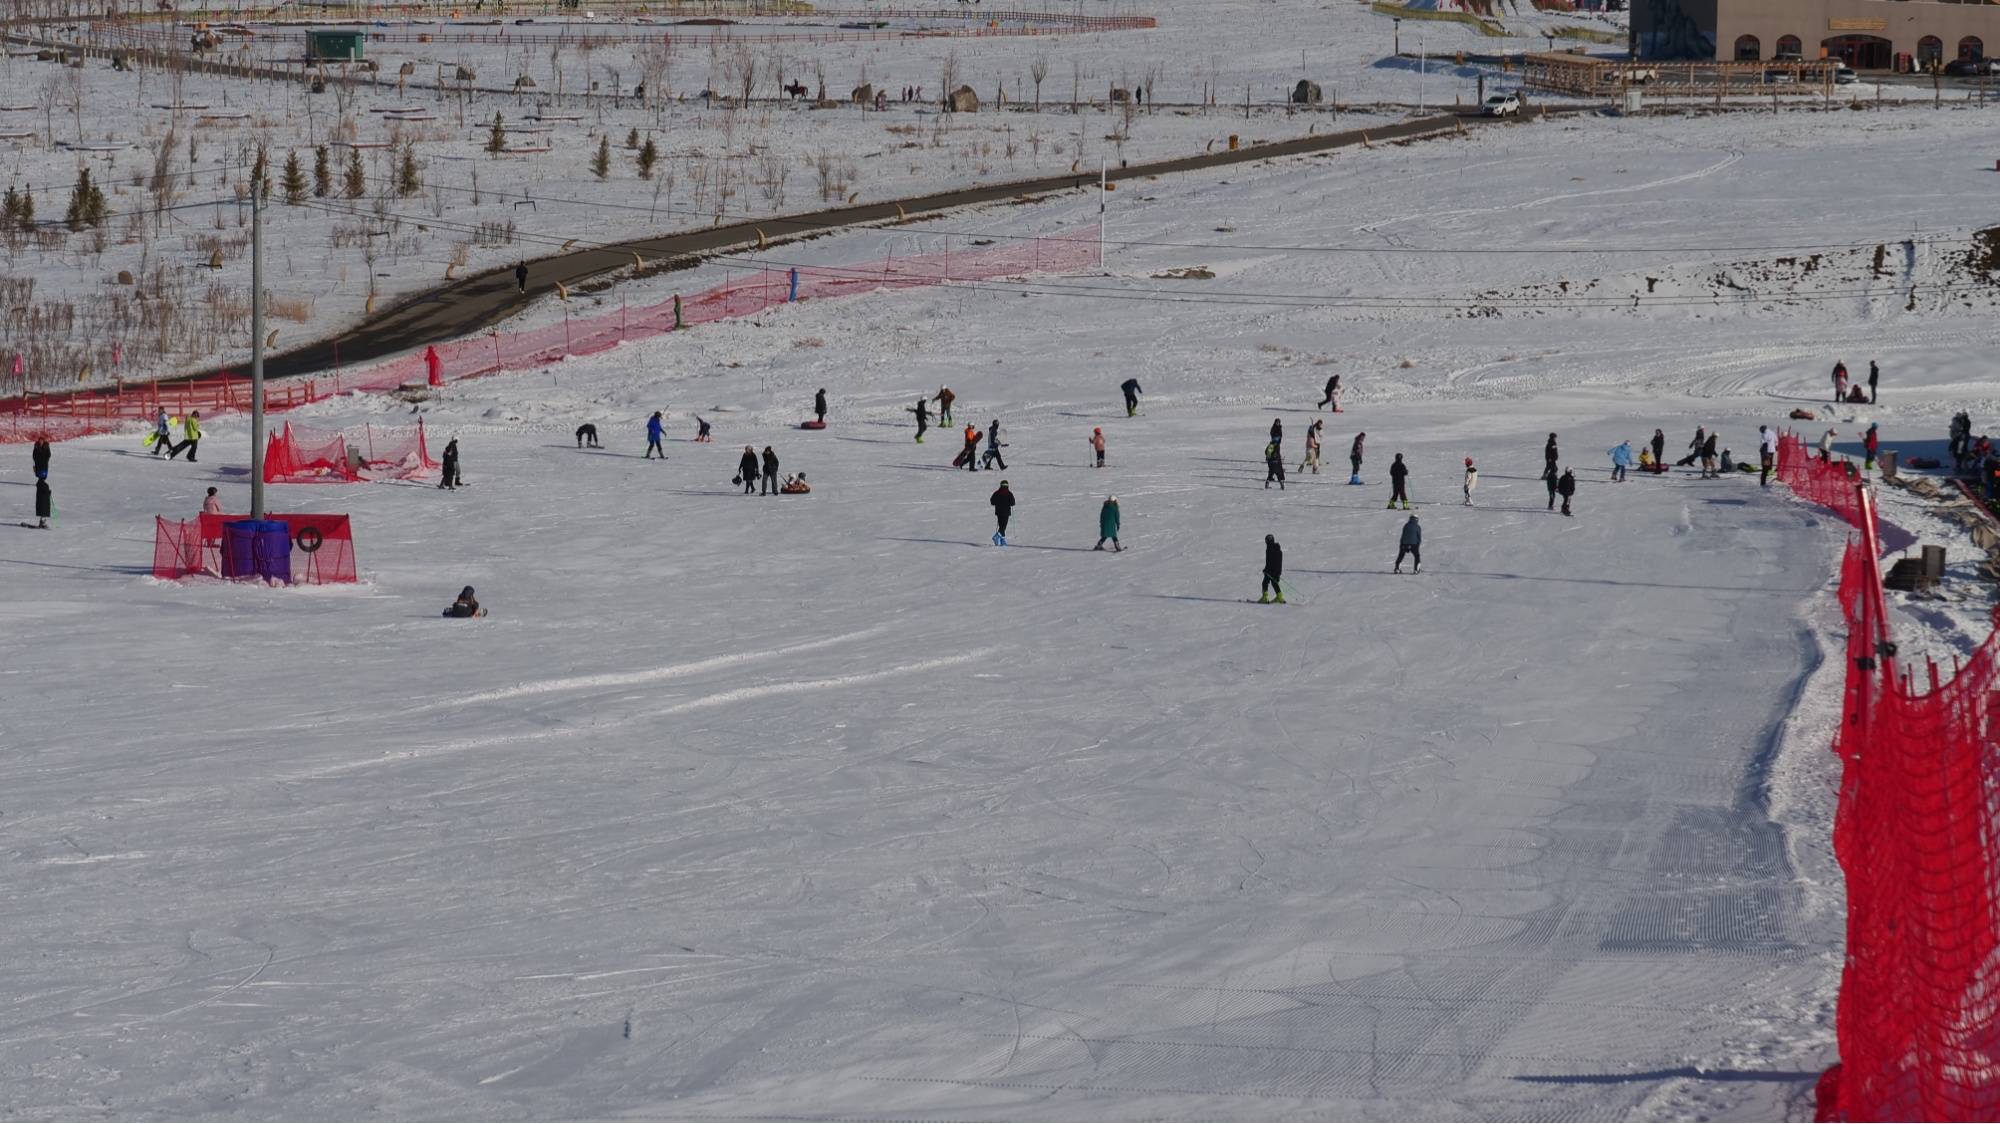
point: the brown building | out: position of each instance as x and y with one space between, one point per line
1868 34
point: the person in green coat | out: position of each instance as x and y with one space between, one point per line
1107 524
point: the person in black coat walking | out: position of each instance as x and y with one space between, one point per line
746 470
450 478
1660 448
1332 395
40 456
1566 487
1552 480
819 405
770 472
1132 393
1277 431
1399 488
1274 466
45 504
1274 571
521 276
1549 458
1874 373
1002 500
923 411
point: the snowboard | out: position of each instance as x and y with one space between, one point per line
959 460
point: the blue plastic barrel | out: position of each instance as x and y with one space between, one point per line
239 547
274 551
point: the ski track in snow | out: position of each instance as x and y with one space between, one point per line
821 807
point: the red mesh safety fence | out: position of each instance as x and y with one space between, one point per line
1917 833
298 454
108 409
322 547
1829 483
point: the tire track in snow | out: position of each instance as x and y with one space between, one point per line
1562 197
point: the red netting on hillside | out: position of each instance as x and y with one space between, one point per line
1829 483
106 409
322 547
298 454
1917 832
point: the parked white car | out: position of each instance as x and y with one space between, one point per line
1501 105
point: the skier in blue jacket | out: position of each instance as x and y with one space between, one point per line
1621 459
656 432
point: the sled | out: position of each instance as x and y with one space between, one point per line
812 425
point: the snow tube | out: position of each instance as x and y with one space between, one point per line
310 539
812 425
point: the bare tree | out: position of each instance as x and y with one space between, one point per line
948 74
1038 69
49 96
745 66
163 184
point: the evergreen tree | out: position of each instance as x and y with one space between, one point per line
600 166
10 209
355 185
496 139
86 203
408 182
322 174
632 138
27 216
648 156
295 180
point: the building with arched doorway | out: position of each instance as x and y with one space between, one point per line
1866 34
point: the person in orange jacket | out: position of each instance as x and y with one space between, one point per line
1097 445
970 454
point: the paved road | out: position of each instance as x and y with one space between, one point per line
466 306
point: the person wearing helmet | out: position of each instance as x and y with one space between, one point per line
970 454
1107 524
992 458
466 606
1274 571
1471 480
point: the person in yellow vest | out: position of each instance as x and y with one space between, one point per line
191 432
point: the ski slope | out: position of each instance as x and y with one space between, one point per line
823 806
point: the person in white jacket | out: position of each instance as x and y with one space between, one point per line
1767 454
1471 480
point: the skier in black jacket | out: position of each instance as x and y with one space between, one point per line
1399 489
450 478
746 470
40 456
1274 569
1002 500
923 411
1566 486
1132 393
1549 458
770 472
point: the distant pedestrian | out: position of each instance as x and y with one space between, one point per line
1660 448
1274 572
1551 481
433 366
190 437
521 276
746 470
1132 393
702 431
1566 487
587 432
1767 454
1708 467
1332 395
944 400
1694 448
1312 448
450 477
1107 524
656 432
819 405
1002 500
39 457
1871 444
1410 545
770 472
1354 458
1549 457
163 434
970 454
1826 447
1471 480
923 411
211 504
1274 466
1874 374
1277 431
1839 381
1097 444
1399 487
992 457
45 504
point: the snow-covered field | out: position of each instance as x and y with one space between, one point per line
824 806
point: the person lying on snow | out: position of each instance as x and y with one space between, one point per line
466 606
